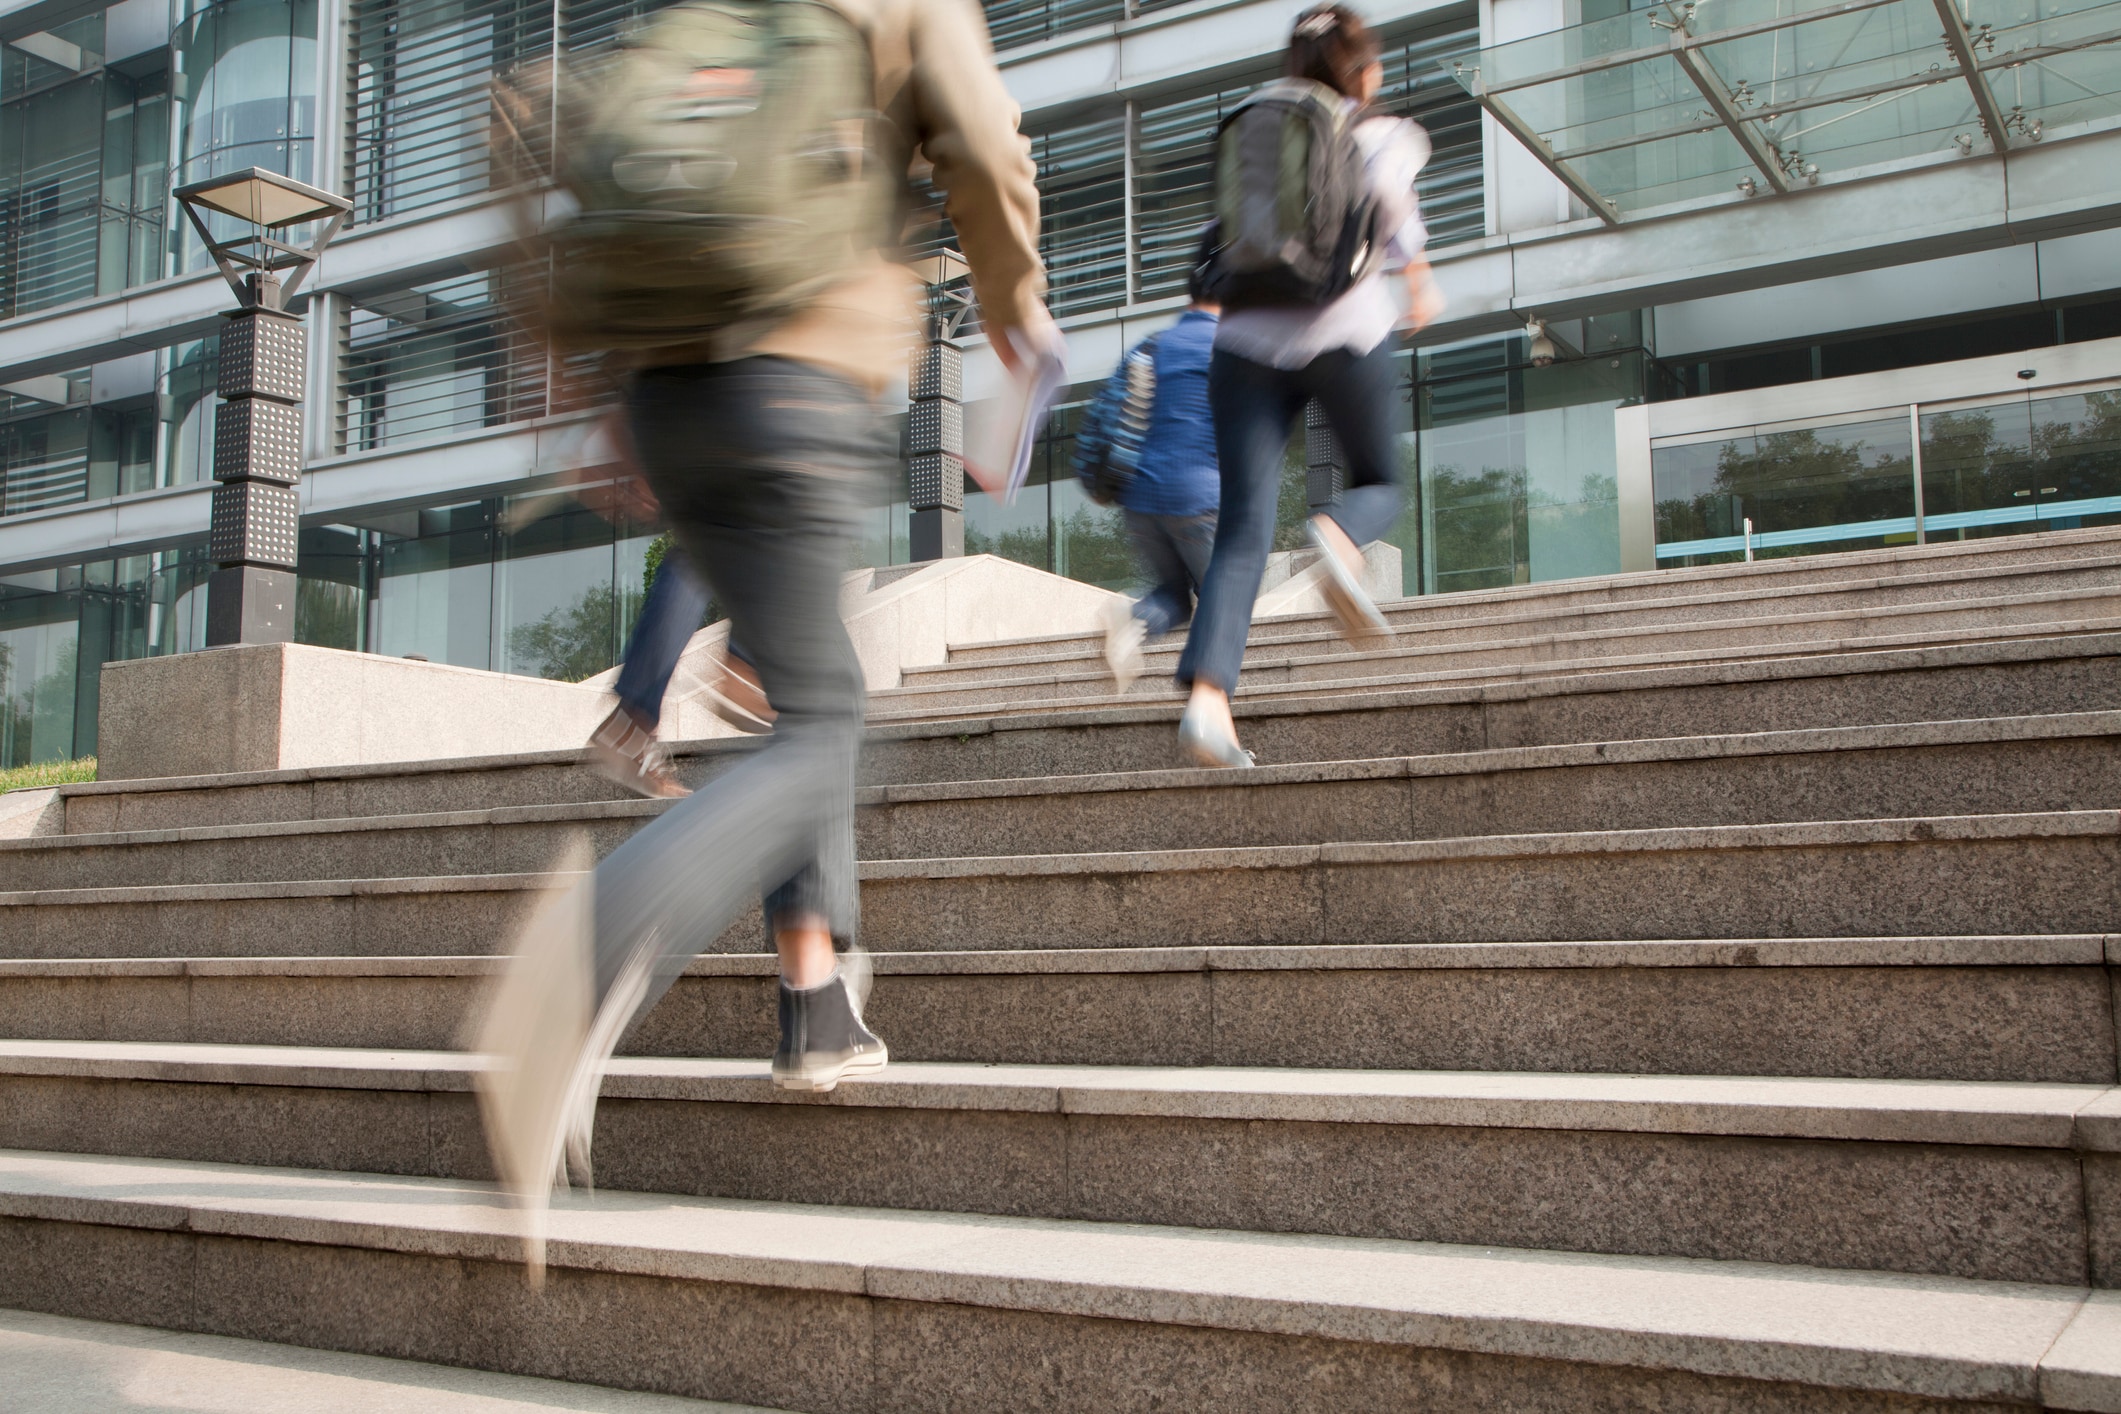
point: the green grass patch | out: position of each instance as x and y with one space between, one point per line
48 773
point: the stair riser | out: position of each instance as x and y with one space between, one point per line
1919 887
959 694
1997 1213
1618 714
1921 604
364 925
860 1354
1940 1023
1916 887
1975 779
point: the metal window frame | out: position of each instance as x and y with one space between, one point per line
1684 45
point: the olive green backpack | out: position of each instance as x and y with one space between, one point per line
723 162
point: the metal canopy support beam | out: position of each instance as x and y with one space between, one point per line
1720 102
1622 58
1961 44
1540 148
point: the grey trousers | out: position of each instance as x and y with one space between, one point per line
762 466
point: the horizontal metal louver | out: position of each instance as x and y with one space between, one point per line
442 357
1083 213
1015 22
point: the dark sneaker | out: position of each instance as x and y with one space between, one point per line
823 1040
625 753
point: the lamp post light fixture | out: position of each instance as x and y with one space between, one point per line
250 597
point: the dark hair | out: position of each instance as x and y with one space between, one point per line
1330 44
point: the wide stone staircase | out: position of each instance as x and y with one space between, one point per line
1688 991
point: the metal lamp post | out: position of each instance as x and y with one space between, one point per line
250 597
935 417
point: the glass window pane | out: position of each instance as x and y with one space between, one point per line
434 586
1847 487
554 596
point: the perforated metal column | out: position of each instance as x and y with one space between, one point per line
935 452
1325 474
258 463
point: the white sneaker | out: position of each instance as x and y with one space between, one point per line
1354 610
533 1034
1124 634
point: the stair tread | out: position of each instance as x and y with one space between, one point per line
1077 713
2014 1113
1845 570
59 1365
1991 950
1702 748
1798 834
1273 674
1940 1337
1088 646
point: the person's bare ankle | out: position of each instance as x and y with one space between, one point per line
807 956
1212 703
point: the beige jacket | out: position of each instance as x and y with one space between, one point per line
942 97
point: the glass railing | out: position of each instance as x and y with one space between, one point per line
1914 474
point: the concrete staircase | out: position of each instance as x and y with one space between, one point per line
1685 991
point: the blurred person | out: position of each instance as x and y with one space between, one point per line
759 435
625 748
1148 442
1305 322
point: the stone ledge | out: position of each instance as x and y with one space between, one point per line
58 1365
2039 950
1943 1338
2012 1114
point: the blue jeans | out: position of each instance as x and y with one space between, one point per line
677 601
1255 407
1173 552
762 467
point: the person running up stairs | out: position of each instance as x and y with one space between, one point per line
762 310
1148 443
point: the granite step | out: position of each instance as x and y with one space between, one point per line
1962 681
914 1310
1443 619
961 692
2031 1008
58 1365
2045 872
1994 767
1937 569
1996 1181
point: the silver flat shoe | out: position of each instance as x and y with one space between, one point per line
1207 746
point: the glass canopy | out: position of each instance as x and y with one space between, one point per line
1693 98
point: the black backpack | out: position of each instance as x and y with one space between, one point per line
1293 206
